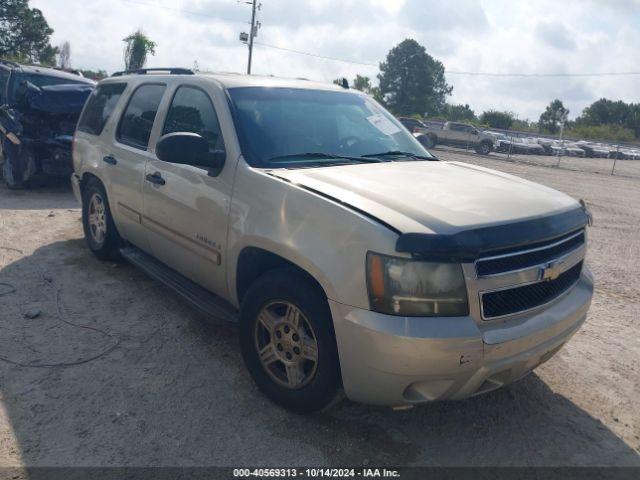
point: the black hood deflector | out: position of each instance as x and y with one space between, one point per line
468 245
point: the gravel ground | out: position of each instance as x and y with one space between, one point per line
156 383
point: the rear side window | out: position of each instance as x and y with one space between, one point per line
192 111
137 120
99 107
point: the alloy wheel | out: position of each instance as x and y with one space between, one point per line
286 344
97 218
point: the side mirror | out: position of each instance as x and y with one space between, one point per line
188 148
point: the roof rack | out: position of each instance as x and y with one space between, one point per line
145 71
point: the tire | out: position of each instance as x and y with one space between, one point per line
484 148
100 232
268 324
12 167
430 141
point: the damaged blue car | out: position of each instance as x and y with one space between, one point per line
39 109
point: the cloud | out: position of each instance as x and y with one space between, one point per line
555 34
466 35
444 16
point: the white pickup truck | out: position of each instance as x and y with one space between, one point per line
458 135
351 258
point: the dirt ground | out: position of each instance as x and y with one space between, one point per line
117 370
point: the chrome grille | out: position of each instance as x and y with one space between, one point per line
526 297
519 279
534 255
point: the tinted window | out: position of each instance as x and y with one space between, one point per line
192 111
137 120
99 107
276 123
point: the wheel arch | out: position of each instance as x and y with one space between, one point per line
253 262
88 176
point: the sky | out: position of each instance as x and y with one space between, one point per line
496 36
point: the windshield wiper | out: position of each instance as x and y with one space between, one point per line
325 156
398 153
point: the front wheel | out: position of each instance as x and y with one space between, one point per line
484 148
288 343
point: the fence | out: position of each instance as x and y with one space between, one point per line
551 151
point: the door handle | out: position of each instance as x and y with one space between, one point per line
155 178
110 160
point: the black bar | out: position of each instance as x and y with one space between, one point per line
468 245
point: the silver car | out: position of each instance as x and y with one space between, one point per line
350 257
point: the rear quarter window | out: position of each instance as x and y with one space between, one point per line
99 108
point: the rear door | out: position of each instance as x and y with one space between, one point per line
124 160
186 212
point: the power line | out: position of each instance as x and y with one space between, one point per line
492 74
457 72
309 54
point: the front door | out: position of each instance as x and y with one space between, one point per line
185 208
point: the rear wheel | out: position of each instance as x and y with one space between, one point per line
288 343
100 232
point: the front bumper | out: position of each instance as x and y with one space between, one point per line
394 361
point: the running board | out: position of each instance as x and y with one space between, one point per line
202 299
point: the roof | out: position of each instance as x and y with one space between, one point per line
38 69
236 80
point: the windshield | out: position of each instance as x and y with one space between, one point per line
281 127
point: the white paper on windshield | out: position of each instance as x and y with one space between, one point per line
383 124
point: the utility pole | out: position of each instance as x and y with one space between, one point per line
248 38
252 34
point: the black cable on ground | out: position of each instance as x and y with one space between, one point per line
115 343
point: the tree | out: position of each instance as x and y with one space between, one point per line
609 112
459 113
94 74
362 83
552 117
137 49
64 57
411 81
611 133
25 33
496 119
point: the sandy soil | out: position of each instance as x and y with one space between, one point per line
153 382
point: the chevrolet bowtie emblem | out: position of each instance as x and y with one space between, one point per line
551 270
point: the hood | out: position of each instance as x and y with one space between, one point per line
432 197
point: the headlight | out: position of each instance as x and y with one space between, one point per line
400 286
